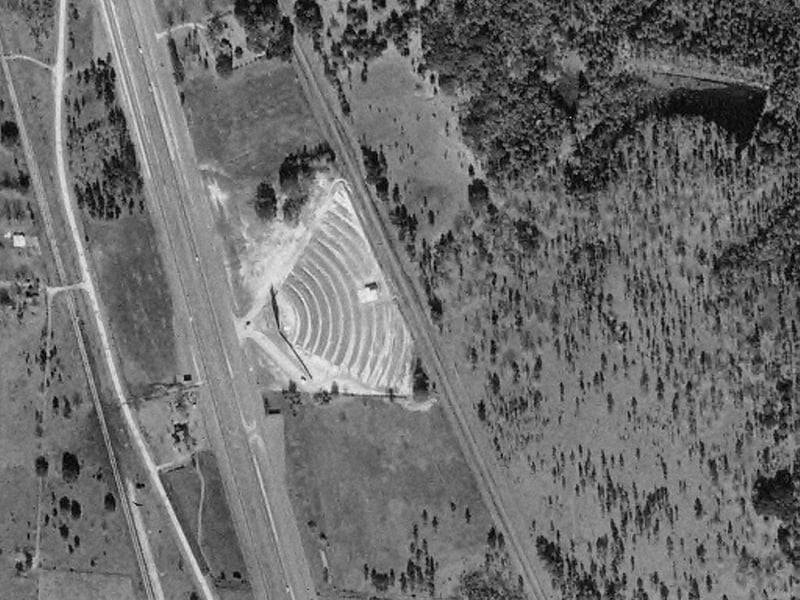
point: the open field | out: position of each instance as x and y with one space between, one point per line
84 45
137 296
244 126
218 537
20 446
184 489
415 129
372 483
196 490
57 585
57 459
85 502
28 27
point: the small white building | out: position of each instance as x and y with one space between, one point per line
18 240
369 293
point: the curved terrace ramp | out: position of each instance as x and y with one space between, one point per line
337 321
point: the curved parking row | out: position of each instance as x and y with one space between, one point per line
361 361
320 320
301 309
331 325
341 228
343 308
309 299
399 356
352 261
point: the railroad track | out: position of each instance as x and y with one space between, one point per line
62 280
412 303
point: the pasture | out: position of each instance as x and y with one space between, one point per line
379 491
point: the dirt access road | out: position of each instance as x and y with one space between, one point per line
412 303
231 406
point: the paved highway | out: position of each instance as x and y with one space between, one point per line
231 406
411 299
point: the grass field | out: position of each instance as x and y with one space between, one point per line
54 470
19 447
218 538
417 129
28 27
373 483
245 125
81 27
58 585
81 529
183 487
198 496
135 292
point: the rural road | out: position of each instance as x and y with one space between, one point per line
151 586
411 300
182 215
59 73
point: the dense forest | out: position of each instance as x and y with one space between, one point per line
295 176
268 30
524 97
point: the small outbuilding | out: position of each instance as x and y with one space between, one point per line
369 293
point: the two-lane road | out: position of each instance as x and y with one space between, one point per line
181 212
